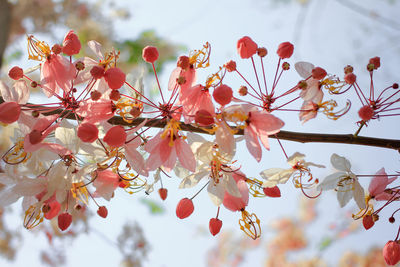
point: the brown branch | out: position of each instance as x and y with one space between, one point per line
282 135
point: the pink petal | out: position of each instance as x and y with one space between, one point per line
185 155
252 143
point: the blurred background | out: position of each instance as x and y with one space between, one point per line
143 230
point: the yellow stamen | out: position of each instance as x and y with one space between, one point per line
124 107
200 58
37 50
33 217
80 192
17 154
333 85
255 186
250 225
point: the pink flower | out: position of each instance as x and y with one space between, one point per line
258 125
378 185
194 99
95 111
166 147
106 182
57 72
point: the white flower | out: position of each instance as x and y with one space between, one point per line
213 164
276 176
345 182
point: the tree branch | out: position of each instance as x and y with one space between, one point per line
282 135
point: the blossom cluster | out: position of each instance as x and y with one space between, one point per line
92 137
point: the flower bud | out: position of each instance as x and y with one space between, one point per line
391 252
262 51
215 226
285 50
376 62
16 73
80 65
102 211
184 208
348 69
97 72
115 78
246 47
272 191
9 112
115 137
350 78
285 66
150 54
366 113
64 221
223 94
318 73
71 44
230 66
368 222
56 49
163 192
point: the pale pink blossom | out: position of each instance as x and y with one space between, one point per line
378 185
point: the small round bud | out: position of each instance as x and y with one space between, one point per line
350 78
242 90
223 94
395 86
215 226
102 211
318 73
272 191
95 95
150 54
285 66
115 78
368 222
34 84
163 192
183 62
56 49
348 69
366 113
80 65
88 132
35 113
375 217
71 44
392 219
230 66
302 84
64 221
74 90
184 208
262 51
115 95
97 72
16 73
376 61
285 50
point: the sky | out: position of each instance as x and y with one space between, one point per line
327 33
